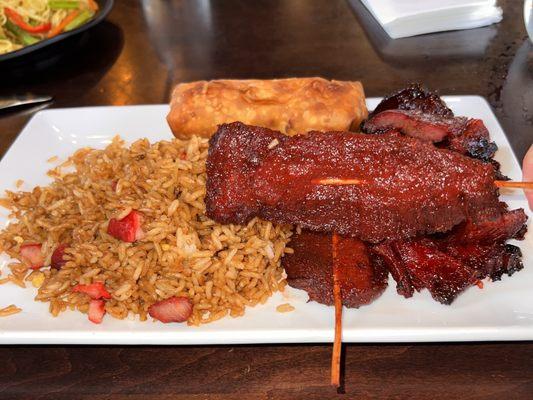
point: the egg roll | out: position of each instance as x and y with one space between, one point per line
291 106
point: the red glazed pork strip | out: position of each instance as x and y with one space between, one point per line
414 97
362 278
448 264
429 127
460 134
408 187
445 264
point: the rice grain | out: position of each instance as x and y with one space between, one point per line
221 268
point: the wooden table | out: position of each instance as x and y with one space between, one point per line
140 53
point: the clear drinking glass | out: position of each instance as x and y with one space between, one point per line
528 17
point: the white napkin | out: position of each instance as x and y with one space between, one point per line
403 18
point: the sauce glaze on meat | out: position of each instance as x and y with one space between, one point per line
448 264
407 188
362 277
463 135
414 97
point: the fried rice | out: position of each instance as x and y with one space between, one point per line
220 268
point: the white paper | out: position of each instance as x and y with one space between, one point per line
405 18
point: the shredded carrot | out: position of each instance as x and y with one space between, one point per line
56 30
479 284
17 19
93 5
337 343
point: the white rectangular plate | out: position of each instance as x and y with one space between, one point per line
501 311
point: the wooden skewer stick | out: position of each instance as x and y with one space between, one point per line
348 181
516 185
336 181
337 342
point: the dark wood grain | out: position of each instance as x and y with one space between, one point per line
423 371
140 53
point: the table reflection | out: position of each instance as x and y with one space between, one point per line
517 99
188 47
462 44
79 61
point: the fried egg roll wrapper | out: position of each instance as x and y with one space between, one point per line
290 105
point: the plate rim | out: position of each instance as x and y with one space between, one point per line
275 335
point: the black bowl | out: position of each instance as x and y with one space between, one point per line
105 8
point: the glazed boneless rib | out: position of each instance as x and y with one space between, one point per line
463 135
406 187
362 278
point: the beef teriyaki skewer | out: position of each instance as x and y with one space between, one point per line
337 298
